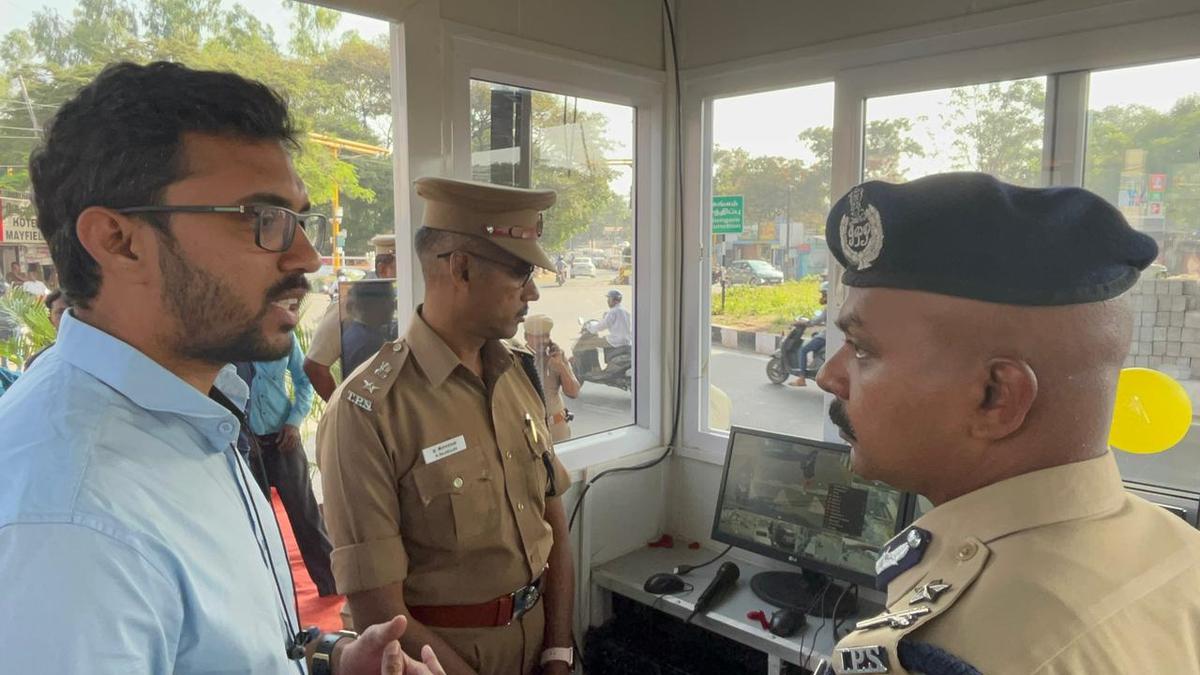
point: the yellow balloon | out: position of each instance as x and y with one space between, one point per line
1152 414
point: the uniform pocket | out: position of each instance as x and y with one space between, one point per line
458 498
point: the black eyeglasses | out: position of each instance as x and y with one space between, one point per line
523 271
274 226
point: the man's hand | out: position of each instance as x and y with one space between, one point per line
288 438
377 650
557 359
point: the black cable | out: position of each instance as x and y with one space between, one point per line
820 598
838 622
684 569
678 409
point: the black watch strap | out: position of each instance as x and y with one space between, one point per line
322 659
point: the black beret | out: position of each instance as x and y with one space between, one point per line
972 236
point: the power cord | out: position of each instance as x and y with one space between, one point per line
684 569
678 408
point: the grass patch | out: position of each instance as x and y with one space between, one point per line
770 308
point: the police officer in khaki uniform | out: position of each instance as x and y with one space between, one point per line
556 375
985 330
326 345
442 489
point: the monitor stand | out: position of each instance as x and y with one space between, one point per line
802 591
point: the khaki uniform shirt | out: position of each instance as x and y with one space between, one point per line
1053 572
436 478
326 344
552 387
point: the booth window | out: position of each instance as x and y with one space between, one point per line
1143 156
771 155
584 150
997 128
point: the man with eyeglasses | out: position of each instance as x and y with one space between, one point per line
442 489
326 345
131 537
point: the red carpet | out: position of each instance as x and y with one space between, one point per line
314 610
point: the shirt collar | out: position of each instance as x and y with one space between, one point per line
147 384
438 361
1058 494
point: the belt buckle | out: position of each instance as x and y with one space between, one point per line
524 599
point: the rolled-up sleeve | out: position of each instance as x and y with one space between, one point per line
79 600
362 510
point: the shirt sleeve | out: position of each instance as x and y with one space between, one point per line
362 510
302 390
77 600
326 344
820 319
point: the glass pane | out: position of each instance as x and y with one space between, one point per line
995 128
1143 142
582 149
771 172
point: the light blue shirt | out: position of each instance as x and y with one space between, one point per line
270 406
127 543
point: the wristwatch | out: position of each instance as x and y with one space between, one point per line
565 654
322 659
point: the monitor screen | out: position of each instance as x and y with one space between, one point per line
796 500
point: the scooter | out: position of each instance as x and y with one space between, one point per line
585 359
560 276
778 369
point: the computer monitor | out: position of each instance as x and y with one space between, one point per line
796 500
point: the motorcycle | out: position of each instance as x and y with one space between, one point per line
778 369
585 358
560 275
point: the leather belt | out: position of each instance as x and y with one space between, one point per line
499 612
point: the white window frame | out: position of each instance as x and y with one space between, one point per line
482 55
1021 49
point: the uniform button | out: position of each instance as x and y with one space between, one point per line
226 428
521 507
508 454
397 347
967 551
458 482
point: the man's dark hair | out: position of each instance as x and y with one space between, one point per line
50 299
118 143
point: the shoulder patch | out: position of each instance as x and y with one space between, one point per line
370 382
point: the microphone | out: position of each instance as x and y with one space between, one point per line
727 576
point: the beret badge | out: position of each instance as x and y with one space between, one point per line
861 232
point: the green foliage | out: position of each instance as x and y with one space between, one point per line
337 83
34 330
768 306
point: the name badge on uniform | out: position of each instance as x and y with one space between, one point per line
873 659
444 449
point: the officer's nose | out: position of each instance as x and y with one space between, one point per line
832 376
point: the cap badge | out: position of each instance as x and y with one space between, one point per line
861 232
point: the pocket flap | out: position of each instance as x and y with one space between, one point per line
451 475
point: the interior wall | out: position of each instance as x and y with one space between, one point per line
715 32
627 31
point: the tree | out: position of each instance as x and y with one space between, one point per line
336 84
999 128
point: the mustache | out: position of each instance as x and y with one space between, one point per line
837 414
289 283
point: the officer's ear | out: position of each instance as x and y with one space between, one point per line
1009 389
460 267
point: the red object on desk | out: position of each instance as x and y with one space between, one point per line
761 617
695 546
665 541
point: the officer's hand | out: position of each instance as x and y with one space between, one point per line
289 438
377 651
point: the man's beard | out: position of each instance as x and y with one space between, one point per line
837 413
213 324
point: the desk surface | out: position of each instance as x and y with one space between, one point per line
627 574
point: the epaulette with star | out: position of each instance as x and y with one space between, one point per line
367 384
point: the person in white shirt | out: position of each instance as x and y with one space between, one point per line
617 321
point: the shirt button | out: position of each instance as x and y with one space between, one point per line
967 551
521 507
226 428
458 482
508 454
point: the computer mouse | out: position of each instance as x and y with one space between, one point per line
787 622
664 583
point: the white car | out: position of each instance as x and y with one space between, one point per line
583 267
